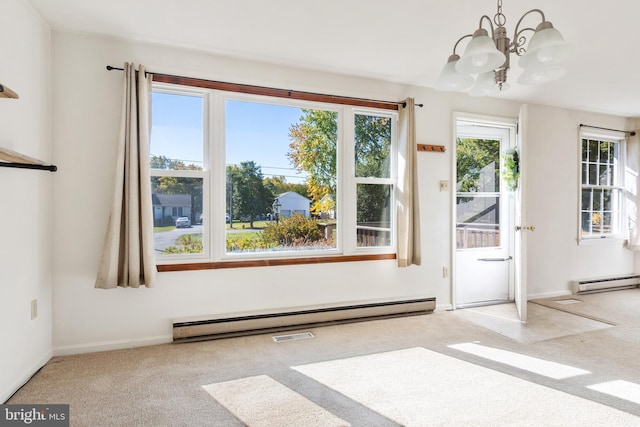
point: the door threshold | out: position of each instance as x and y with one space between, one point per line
483 303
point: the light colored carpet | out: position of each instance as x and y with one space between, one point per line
261 401
419 387
158 386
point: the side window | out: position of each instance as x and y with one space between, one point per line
374 187
601 195
177 172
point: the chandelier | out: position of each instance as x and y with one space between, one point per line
488 57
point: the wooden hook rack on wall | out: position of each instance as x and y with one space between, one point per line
431 148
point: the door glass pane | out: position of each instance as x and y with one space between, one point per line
374 215
478 165
477 222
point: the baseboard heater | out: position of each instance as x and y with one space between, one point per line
605 284
200 330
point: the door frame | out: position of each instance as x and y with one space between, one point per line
497 121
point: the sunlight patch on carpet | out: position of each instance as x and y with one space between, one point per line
546 368
417 387
261 401
621 389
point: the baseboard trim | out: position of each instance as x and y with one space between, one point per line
26 377
110 345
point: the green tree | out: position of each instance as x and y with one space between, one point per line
278 185
313 146
372 146
373 159
250 196
313 150
478 165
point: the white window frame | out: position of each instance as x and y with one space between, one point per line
203 174
621 230
214 178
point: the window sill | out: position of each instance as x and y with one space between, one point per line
600 241
162 268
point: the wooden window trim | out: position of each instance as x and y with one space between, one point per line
277 93
162 268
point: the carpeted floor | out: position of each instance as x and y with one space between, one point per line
462 367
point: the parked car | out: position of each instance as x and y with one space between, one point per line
183 221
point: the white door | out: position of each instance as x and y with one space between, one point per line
520 225
483 215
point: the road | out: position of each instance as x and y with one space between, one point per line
168 238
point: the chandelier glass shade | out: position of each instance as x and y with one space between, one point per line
484 65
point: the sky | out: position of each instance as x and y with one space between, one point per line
257 132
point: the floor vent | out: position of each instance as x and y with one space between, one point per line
605 284
214 328
292 337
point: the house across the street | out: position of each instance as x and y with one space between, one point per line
168 207
292 203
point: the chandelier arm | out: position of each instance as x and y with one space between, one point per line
518 39
459 40
490 23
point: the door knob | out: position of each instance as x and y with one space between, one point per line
529 228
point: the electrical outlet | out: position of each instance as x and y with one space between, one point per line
445 272
34 309
444 185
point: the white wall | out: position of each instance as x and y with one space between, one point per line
554 256
25 210
86 116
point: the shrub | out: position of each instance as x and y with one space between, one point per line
243 243
188 244
295 231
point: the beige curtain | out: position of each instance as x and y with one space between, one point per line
407 195
632 183
128 255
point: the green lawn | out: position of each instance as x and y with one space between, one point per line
163 229
237 225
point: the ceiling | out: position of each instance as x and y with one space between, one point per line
406 41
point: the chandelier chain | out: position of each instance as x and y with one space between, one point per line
499 19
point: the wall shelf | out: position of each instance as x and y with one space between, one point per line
5 92
12 159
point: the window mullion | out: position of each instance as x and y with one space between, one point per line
347 182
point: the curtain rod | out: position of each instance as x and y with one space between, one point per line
627 132
283 93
